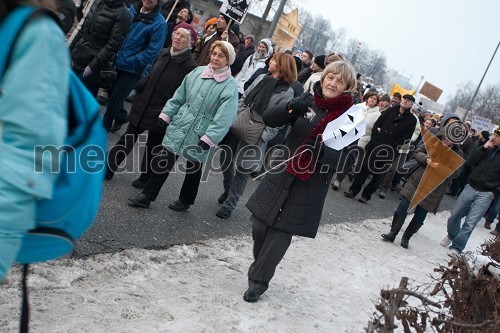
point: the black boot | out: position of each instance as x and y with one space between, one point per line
412 229
397 223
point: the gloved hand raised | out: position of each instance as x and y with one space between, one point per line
300 106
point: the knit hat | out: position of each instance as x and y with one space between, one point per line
212 21
486 134
250 36
320 61
385 98
230 50
298 63
226 18
192 32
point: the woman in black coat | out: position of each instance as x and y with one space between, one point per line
99 39
290 201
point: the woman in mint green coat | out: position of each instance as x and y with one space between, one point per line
33 107
197 118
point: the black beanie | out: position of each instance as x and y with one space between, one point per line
226 18
320 61
485 134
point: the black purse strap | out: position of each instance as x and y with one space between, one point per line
25 310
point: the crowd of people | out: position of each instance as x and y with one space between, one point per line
224 89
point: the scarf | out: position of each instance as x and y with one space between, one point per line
218 75
302 164
174 53
258 98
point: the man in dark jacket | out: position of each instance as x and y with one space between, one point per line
473 202
141 47
395 126
95 45
245 52
202 52
154 91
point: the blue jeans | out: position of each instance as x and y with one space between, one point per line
472 205
402 209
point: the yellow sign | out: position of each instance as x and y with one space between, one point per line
397 88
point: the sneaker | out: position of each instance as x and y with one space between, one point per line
445 242
452 253
381 195
336 185
487 225
178 206
363 200
223 213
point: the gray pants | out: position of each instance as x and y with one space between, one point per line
237 187
269 247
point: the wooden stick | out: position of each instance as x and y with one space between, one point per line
172 10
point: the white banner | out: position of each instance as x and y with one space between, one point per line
235 9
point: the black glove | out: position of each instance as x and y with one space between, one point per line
300 106
203 145
161 126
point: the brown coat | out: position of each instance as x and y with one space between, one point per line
201 53
433 200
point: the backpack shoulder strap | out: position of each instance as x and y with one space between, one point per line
11 28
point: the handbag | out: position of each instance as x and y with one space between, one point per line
107 78
409 167
247 128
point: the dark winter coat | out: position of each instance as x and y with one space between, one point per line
283 201
101 35
433 200
201 53
242 55
395 128
66 10
485 175
158 87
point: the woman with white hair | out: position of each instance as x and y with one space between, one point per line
289 201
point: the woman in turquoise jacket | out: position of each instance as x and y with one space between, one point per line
198 116
33 111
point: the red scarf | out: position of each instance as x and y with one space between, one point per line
302 164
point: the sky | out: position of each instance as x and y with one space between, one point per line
327 284
446 41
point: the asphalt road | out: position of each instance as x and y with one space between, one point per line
120 227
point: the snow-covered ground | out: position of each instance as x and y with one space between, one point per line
328 284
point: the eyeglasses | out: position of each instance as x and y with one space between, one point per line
218 55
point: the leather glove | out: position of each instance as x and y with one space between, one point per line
161 126
87 72
203 145
300 106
